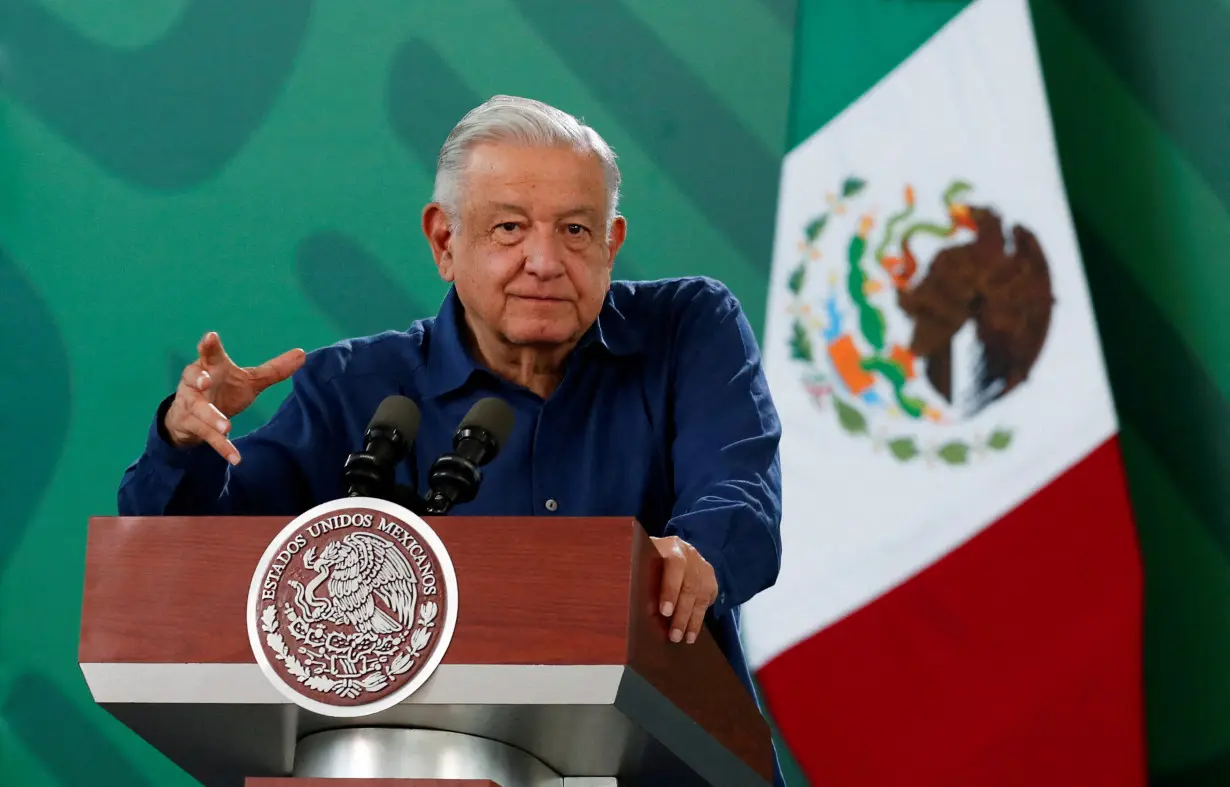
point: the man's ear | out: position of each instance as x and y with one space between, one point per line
437 227
615 239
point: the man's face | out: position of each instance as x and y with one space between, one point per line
531 260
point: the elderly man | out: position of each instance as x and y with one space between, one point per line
631 398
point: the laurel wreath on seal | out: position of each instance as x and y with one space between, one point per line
373 679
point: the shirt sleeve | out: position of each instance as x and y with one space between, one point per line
285 464
727 467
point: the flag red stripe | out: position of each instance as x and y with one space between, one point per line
1013 660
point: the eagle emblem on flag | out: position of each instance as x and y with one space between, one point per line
912 324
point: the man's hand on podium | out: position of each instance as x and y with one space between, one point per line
213 389
689 587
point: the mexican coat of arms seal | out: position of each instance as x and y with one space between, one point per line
352 607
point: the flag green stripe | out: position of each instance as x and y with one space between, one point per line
756 96
1175 57
1149 367
1211 773
844 47
1187 644
1101 130
1169 406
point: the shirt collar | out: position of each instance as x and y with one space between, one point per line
450 364
612 331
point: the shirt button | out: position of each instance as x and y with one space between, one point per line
552 505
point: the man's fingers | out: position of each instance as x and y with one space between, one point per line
209 348
672 581
216 439
194 418
195 377
688 588
203 421
210 415
683 613
695 621
275 370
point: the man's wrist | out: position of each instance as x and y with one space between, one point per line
160 421
159 444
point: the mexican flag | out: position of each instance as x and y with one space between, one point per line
960 596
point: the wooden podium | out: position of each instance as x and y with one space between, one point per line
559 662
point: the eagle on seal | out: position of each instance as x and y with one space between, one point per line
371 585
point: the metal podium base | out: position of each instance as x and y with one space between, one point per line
384 753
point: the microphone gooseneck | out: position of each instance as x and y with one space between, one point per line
454 477
389 436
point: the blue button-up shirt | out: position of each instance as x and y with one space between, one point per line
663 413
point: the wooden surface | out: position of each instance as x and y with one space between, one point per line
369 783
531 590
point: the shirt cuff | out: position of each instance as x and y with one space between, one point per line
721 605
158 444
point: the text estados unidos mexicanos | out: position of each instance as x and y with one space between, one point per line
422 559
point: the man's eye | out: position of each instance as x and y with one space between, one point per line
508 226
576 229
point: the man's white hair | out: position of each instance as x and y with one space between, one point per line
521 121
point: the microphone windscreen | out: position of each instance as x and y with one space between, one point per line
400 413
493 415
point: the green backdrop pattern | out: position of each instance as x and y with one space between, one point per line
258 169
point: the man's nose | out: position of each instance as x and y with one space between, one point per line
544 255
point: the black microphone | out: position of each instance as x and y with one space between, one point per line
454 478
389 435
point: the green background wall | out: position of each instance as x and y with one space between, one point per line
169 167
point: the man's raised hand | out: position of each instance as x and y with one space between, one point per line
213 390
